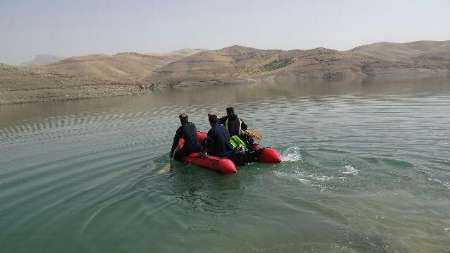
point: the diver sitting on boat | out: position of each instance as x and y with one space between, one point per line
236 127
219 143
188 132
218 140
232 122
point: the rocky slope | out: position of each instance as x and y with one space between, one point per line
241 64
82 77
133 73
407 60
238 64
401 52
122 67
21 85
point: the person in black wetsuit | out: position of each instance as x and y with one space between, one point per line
218 141
232 123
188 131
236 126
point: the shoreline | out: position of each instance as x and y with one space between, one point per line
81 92
131 74
48 95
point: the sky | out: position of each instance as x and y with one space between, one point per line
68 28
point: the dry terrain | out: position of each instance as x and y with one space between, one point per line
134 73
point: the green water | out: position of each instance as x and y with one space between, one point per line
366 169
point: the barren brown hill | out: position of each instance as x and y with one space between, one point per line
133 73
122 67
238 64
407 60
406 51
82 77
229 64
20 85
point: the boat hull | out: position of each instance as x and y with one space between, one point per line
225 165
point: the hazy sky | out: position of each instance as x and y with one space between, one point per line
80 27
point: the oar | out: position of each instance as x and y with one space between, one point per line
254 134
166 167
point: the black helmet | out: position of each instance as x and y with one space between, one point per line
212 118
183 117
230 110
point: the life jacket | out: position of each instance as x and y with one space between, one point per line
236 143
233 125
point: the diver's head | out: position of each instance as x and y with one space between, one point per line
230 111
212 119
183 118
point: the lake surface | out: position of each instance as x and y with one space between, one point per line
366 168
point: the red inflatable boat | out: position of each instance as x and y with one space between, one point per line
225 165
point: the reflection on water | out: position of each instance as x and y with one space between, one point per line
366 169
223 95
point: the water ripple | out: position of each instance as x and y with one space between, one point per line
349 164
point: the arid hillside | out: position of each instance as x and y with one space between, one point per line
407 60
439 50
122 67
134 73
238 64
22 85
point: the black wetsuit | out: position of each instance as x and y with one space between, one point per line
233 124
218 141
191 145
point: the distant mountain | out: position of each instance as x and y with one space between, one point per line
134 73
237 64
36 84
43 59
407 52
407 60
121 67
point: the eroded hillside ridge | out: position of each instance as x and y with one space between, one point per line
242 64
135 73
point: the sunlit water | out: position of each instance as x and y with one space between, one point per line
364 170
